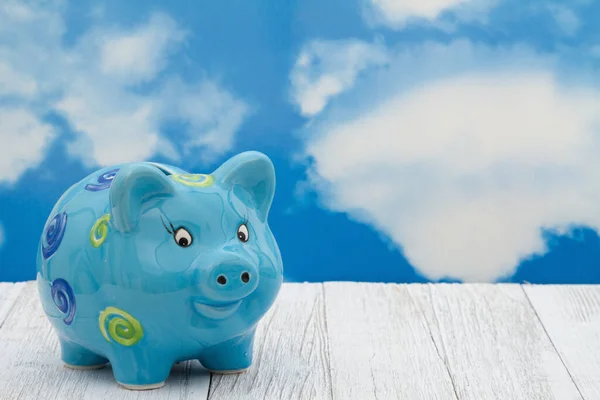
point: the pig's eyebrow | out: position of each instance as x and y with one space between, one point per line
163 222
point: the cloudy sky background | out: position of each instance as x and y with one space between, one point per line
456 140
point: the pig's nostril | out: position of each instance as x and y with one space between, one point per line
245 277
221 279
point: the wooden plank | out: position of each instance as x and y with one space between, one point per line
381 346
31 367
290 352
385 341
8 296
571 317
493 342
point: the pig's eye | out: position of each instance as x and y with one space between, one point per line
182 237
242 233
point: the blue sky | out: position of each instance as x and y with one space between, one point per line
452 140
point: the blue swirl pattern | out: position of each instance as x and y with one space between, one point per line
54 234
64 299
104 181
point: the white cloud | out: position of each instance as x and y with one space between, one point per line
397 13
400 10
464 166
325 69
24 140
213 114
94 84
140 54
121 131
30 49
566 19
14 83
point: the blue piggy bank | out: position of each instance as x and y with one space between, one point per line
145 265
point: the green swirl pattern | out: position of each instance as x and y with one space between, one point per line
195 180
120 326
99 231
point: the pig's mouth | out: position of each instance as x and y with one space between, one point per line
216 311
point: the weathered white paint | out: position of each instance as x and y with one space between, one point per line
355 341
290 350
493 343
381 345
8 295
571 316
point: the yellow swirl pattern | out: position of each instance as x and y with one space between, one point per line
196 180
120 326
99 230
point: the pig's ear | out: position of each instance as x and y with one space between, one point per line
134 185
251 176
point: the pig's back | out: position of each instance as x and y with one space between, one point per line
67 246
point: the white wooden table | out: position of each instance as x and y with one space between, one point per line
355 341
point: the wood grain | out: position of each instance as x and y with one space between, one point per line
290 350
381 346
571 317
32 369
493 343
8 296
355 341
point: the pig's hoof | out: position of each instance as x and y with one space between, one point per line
85 367
229 371
143 387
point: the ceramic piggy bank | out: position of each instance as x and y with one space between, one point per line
145 265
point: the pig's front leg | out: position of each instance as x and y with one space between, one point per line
231 357
77 357
141 369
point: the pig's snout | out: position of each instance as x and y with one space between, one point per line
234 276
229 279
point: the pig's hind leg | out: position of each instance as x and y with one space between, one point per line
77 357
233 356
141 370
